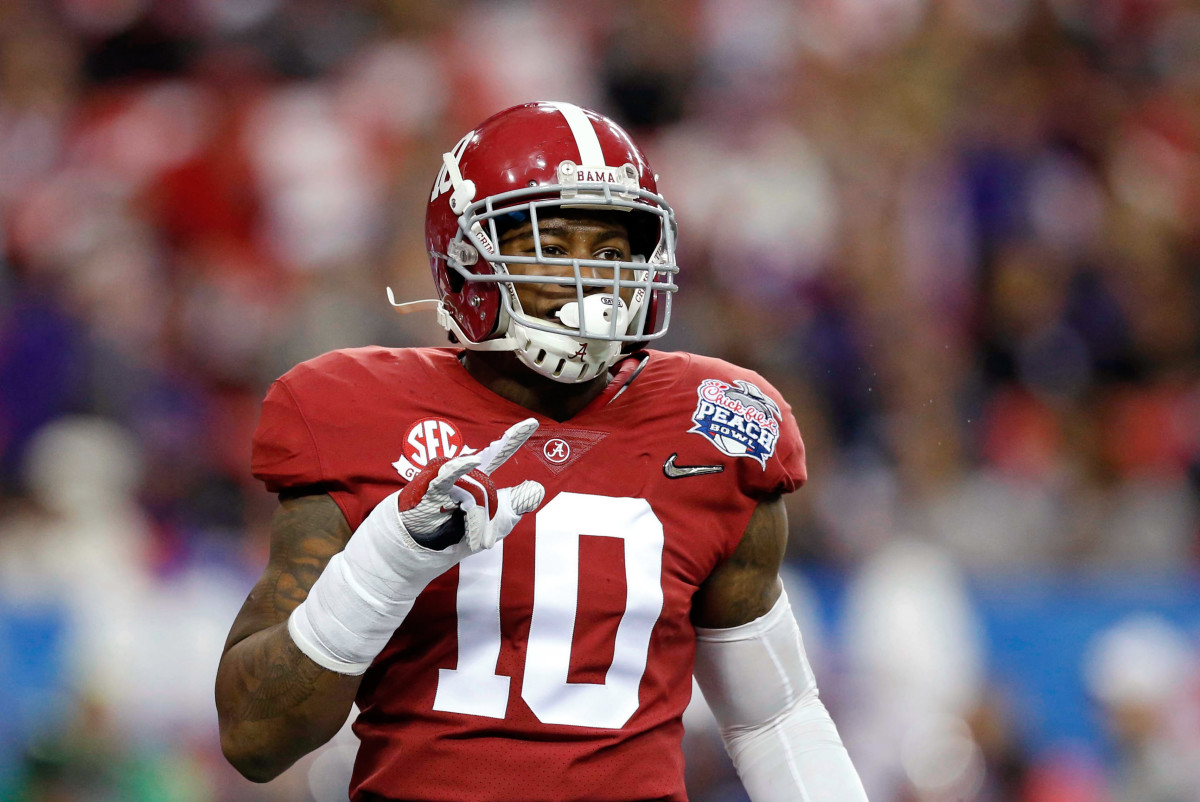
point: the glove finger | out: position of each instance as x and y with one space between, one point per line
479 534
451 472
503 447
511 504
525 497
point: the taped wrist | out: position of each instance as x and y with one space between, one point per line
365 592
761 688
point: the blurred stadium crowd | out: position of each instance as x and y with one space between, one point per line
961 236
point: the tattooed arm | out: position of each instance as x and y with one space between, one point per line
746 585
274 704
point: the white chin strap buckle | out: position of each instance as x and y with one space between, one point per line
598 312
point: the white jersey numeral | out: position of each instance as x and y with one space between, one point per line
475 688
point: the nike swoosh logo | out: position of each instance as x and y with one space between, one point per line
674 471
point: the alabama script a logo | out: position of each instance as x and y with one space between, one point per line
557 450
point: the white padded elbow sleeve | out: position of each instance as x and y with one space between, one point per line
761 688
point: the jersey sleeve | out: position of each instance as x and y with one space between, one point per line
284 452
745 419
785 470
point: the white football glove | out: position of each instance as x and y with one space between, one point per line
366 590
451 498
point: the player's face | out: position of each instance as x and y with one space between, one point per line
569 234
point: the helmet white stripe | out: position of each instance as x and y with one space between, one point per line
585 135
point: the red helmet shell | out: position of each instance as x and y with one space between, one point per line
518 148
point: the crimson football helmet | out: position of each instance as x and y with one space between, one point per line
522 165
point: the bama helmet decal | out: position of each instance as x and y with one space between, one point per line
739 419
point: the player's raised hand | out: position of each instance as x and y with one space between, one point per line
488 526
455 500
449 510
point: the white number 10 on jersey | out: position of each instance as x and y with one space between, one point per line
476 689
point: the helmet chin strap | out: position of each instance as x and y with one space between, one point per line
582 351
565 356
570 356
447 322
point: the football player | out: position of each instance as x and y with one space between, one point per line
514 553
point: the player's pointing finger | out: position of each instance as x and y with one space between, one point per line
506 445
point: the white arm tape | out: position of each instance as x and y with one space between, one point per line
761 688
365 592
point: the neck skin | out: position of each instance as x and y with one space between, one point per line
503 374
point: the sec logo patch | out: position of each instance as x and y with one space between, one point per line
426 440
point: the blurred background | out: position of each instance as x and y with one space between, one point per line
961 236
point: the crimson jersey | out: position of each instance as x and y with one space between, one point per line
556 665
